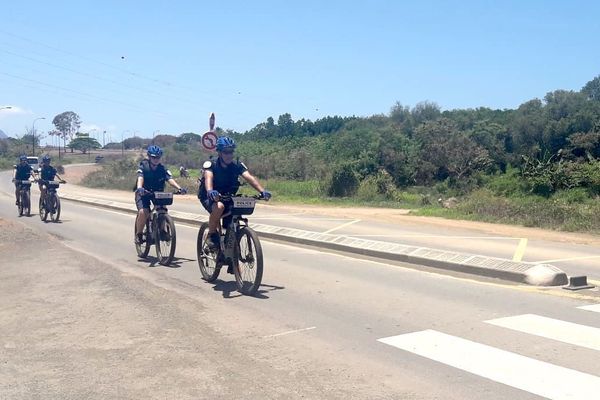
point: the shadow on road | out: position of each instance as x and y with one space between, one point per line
176 263
229 289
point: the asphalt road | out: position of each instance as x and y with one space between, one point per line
372 329
573 253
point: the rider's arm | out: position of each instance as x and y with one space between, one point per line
173 183
208 180
14 172
253 181
140 182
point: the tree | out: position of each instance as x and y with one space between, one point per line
425 111
285 125
84 144
188 138
448 153
135 142
592 89
67 123
164 140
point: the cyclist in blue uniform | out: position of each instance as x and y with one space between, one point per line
220 176
45 174
151 177
21 172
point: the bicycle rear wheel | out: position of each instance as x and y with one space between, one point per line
142 249
54 207
207 259
165 239
249 262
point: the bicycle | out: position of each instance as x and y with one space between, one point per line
50 203
24 205
239 247
158 230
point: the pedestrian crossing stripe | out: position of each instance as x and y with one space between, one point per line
593 307
534 376
562 331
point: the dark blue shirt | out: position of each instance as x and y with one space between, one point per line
225 179
154 180
47 172
23 172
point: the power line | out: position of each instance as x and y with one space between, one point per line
100 78
122 70
83 93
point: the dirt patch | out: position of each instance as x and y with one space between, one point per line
74 174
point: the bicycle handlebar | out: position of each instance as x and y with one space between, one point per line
231 196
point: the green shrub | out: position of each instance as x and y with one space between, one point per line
116 175
342 182
508 184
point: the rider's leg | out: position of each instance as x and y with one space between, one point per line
140 221
143 206
213 223
215 217
43 192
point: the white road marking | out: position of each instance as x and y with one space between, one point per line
439 236
342 226
566 259
593 307
534 376
302 219
290 332
562 331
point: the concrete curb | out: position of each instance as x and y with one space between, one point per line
532 274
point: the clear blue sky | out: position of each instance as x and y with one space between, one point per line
248 60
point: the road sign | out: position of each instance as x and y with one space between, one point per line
209 141
211 122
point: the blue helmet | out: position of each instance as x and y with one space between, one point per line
154 151
225 142
46 158
22 157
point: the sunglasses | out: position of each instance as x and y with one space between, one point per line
155 157
227 152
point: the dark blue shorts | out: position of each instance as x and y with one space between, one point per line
207 204
142 201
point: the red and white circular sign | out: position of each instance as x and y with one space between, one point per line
209 141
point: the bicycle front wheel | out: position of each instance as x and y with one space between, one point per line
249 262
20 206
142 249
26 204
165 239
43 210
207 258
54 207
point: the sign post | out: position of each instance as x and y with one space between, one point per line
209 139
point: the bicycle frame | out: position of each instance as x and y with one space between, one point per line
231 230
49 192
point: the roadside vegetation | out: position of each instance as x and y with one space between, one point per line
537 165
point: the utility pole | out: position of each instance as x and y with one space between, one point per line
33 134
